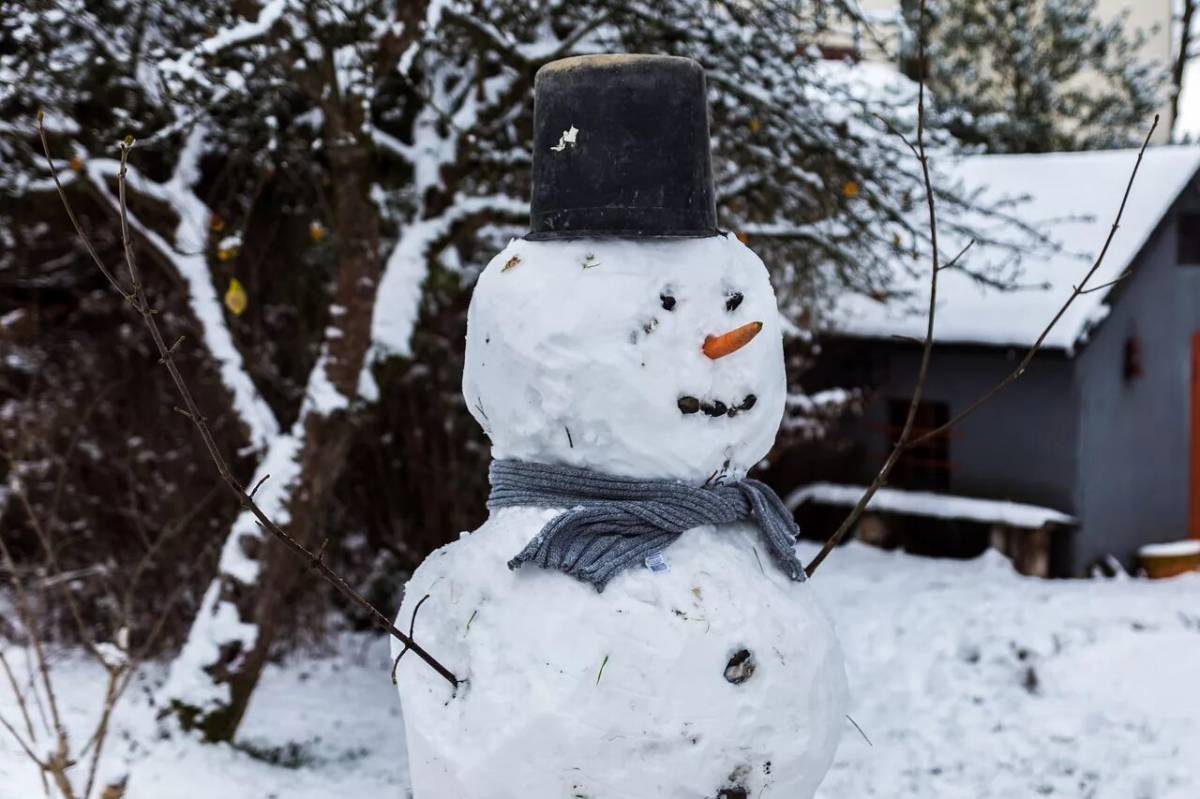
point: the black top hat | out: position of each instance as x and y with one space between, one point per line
620 149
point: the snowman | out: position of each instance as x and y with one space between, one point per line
631 622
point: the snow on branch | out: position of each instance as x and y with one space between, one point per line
188 257
399 299
185 66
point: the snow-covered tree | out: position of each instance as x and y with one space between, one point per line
322 180
1026 76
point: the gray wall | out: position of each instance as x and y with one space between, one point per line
1020 446
1134 435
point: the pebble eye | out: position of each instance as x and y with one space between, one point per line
733 301
668 302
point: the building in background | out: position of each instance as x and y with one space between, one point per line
1099 442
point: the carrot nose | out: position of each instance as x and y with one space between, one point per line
726 343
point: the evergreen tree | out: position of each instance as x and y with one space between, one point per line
1029 76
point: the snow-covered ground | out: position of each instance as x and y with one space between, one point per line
969 680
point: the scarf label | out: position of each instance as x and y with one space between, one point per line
657 562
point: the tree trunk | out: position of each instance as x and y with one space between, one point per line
212 680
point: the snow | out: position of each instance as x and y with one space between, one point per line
186 66
938 653
1073 198
398 301
1171 549
572 357
925 503
620 694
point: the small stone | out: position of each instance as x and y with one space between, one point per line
716 408
689 404
668 302
733 301
748 402
740 667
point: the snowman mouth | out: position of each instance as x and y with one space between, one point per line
714 408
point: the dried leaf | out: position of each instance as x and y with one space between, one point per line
510 263
235 297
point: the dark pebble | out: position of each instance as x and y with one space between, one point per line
716 408
748 402
668 302
740 667
689 404
735 299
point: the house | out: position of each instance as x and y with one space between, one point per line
1102 432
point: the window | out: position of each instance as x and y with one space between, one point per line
925 467
1187 239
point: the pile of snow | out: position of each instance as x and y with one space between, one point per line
969 680
1171 549
927 503
1073 199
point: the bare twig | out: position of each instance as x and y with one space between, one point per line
20 697
136 297
412 623
1107 285
57 763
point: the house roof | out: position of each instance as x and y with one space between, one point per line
1073 199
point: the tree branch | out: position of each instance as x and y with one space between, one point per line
136 297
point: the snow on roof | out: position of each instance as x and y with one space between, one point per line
925 503
1072 198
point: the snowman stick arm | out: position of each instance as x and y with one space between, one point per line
135 296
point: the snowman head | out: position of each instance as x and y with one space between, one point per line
654 358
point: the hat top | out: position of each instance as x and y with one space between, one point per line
621 149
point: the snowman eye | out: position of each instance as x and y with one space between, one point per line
733 301
668 302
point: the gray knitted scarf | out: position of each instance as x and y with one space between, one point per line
612 523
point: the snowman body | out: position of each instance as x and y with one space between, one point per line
707 672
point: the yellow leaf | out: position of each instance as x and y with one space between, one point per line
849 189
216 223
76 164
316 231
755 125
235 297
